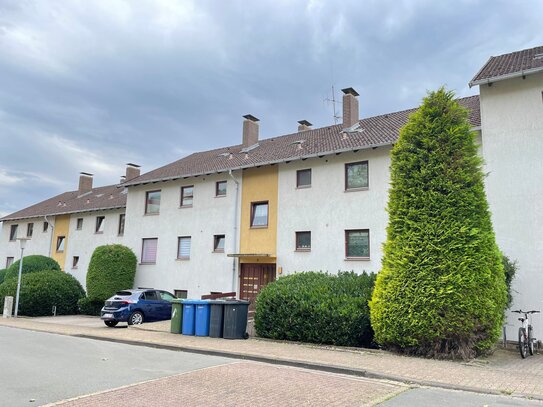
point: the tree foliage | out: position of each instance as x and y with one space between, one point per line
112 268
317 307
32 264
441 290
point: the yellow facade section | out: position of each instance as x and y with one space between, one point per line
259 185
62 227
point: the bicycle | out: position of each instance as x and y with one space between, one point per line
525 334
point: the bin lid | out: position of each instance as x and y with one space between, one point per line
194 302
177 301
236 302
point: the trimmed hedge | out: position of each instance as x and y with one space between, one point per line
441 291
112 268
88 307
2 275
317 307
41 291
32 264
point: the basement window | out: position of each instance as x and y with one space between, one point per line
61 242
75 262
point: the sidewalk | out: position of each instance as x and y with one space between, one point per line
502 373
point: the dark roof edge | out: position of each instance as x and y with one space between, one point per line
506 76
8 218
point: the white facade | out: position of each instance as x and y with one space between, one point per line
209 215
82 242
327 211
512 122
39 242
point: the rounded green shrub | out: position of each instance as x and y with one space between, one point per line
112 268
32 264
317 307
2 275
41 291
88 307
441 291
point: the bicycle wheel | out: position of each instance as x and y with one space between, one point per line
522 342
530 340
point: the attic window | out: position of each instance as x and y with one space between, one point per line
297 142
223 155
250 148
356 128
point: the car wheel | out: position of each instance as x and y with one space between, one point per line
135 318
111 324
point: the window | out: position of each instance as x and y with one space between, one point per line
79 224
122 217
218 243
150 296
303 241
187 195
45 226
13 233
356 175
9 261
303 178
75 261
61 240
165 296
29 230
100 220
152 202
357 243
259 214
148 251
220 188
183 247
181 293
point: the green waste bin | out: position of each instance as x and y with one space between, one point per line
177 317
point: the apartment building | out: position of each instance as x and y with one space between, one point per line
237 217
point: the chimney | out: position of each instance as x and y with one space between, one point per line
250 130
85 183
304 125
350 107
132 171
123 179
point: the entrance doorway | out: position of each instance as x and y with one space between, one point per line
253 278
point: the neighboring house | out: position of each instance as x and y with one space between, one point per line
69 226
511 88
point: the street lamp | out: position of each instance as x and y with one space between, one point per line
22 242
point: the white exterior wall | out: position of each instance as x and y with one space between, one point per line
38 244
327 210
205 271
512 122
83 242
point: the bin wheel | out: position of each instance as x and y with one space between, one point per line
245 335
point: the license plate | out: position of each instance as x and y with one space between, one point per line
105 316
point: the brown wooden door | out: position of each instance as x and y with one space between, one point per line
253 278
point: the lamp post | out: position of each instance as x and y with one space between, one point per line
22 242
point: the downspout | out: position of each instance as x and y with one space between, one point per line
234 270
52 234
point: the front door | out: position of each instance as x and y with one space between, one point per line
253 278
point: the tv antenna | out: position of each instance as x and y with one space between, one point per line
333 101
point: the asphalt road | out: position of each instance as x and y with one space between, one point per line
46 367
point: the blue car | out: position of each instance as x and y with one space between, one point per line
137 306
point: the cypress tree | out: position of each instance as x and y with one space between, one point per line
441 291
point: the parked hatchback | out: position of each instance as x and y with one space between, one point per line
137 306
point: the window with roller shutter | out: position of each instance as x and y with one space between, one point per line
149 250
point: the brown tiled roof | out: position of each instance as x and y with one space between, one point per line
510 65
375 131
108 197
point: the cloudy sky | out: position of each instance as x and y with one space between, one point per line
91 85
